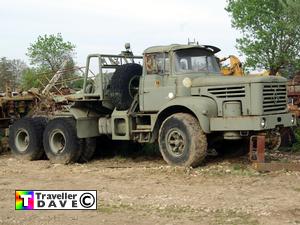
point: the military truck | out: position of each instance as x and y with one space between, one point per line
172 94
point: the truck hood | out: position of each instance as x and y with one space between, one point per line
228 80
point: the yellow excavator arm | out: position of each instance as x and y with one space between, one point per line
234 68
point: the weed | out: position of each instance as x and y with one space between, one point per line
297 189
232 217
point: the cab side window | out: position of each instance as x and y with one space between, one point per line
157 63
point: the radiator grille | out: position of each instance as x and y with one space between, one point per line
274 98
228 92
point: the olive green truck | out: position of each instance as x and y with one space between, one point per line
172 94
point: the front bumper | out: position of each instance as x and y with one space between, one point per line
252 123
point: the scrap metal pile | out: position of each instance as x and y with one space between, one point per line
15 105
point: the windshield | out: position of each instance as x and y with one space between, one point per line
195 60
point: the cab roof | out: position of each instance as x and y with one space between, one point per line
174 47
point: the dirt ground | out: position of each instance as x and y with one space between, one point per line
147 191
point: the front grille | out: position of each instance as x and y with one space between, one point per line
275 98
228 92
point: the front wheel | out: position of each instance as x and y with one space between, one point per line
181 140
60 141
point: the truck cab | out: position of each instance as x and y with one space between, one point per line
168 71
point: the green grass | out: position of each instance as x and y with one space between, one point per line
111 208
212 216
232 217
228 169
296 189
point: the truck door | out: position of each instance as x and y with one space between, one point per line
158 86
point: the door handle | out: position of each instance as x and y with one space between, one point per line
146 92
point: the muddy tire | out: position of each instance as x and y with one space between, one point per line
41 120
182 142
88 147
61 142
124 85
25 138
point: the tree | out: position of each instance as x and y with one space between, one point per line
31 78
10 72
270 33
50 51
6 75
17 68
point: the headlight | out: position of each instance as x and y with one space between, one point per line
187 82
263 123
171 95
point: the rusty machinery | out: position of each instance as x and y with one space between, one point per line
259 162
12 107
15 105
294 94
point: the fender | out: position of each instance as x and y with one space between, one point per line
86 122
82 113
202 107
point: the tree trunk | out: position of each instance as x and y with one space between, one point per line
273 71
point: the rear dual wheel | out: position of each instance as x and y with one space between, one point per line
59 142
25 138
62 145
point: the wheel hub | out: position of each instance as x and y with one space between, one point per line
133 86
57 141
175 140
22 140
